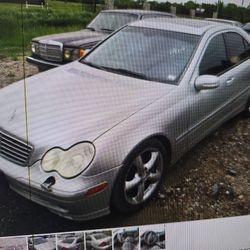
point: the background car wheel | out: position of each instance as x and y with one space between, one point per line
150 238
42 68
246 112
140 177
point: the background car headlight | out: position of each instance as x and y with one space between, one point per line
67 54
71 162
71 54
34 47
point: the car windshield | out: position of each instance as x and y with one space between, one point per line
108 21
100 236
145 53
68 241
39 241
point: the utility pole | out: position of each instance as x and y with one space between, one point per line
218 3
109 4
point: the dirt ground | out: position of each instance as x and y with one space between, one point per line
211 181
11 71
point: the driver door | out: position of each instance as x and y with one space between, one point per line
210 106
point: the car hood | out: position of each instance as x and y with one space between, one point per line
74 39
73 103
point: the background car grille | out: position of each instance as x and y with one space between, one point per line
14 150
51 52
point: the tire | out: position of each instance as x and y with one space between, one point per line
140 177
246 112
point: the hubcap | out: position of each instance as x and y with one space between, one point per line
143 176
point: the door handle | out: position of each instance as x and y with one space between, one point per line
229 81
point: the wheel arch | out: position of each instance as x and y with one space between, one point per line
161 138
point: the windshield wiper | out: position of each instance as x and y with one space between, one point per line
105 29
90 28
121 71
126 72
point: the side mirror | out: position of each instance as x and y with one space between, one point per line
207 82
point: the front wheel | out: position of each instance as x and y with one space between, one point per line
140 177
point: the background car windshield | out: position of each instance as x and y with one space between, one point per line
151 54
100 236
111 21
39 241
68 241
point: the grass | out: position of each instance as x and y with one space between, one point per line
18 27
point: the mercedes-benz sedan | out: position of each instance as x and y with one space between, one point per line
99 133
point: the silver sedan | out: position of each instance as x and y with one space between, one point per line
98 134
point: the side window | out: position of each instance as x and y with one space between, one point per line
148 16
214 60
154 16
236 46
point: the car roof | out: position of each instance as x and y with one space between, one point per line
138 12
184 25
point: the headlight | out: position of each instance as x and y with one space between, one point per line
67 54
71 54
34 47
71 162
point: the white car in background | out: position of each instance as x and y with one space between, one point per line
98 241
225 21
71 243
13 243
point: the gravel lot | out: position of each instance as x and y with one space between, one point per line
211 181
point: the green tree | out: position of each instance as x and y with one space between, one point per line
191 5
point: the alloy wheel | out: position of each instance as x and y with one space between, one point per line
143 176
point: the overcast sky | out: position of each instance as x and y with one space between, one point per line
238 2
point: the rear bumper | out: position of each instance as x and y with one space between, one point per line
42 63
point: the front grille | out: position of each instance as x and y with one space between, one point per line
14 149
50 52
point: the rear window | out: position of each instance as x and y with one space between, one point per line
237 46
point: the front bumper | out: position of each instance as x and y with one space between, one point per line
42 63
67 197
